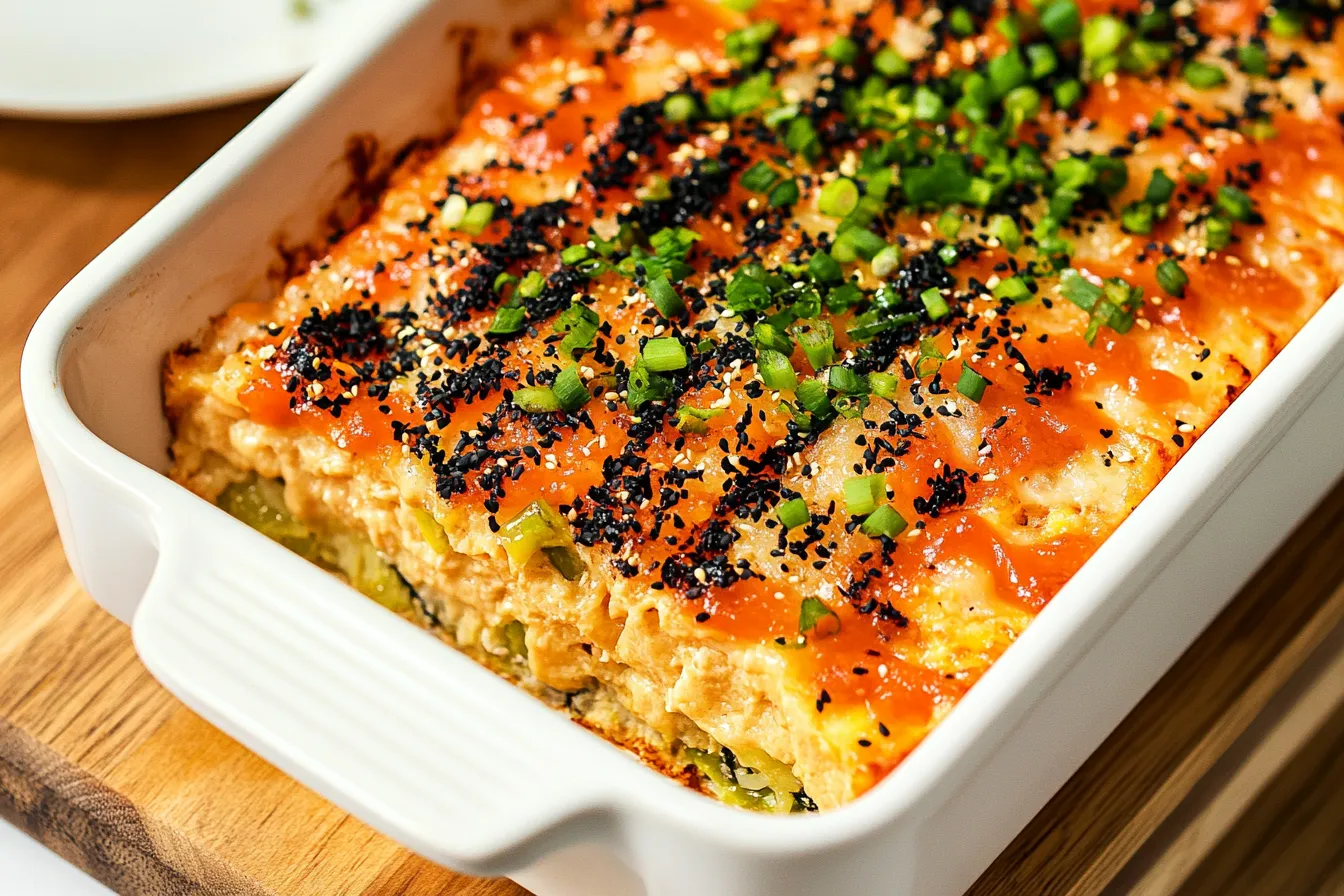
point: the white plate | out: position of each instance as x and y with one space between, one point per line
100 59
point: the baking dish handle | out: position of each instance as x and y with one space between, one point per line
367 710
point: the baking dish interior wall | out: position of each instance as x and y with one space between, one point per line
410 88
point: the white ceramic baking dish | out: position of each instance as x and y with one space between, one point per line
438 753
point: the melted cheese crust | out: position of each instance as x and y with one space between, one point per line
689 611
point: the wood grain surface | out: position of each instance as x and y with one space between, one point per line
1212 792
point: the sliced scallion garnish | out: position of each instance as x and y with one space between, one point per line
477 217
1203 75
569 389
1172 277
759 178
883 521
863 494
886 262
776 371
838 198
817 339
694 420
934 303
793 513
971 384
665 297
664 353
1102 36
1237 205
509 319
680 107
815 615
1061 20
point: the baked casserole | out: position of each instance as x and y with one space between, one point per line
743 377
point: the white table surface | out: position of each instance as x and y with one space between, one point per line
27 868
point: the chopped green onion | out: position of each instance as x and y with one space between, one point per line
949 224
578 322
843 50
504 280
1005 72
959 21
767 335
927 105
887 261
1014 289
811 396
817 339
1067 93
776 371
971 384
824 268
536 527
1287 22
864 493
644 386
739 5
930 359
934 303
1010 26
694 420
1006 231
454 208
838 198
1145 57
890 64
801 138
664 353
1110 174
1203 75
1160 188
1237 204
664 297
1172 277
680 107
785 194
842 379
746 46
531 285
793 513
569 389
843 297
883 521
1103 36
1061 20
811 615
566 561
574 254
747 292
1137 217
948 255
861 243
1217 233
1042 61
536 399
1079 290
655 189
508 319
477 217
759 178
884 385
1020 104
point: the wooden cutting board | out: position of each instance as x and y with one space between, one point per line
1213 792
